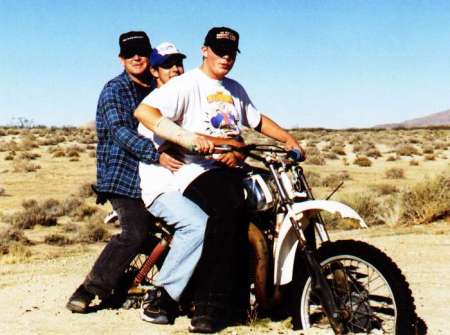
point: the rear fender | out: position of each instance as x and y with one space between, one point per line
287 240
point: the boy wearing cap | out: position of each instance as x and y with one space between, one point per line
164 200
205 101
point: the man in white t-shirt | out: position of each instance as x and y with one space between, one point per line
205 101
163 199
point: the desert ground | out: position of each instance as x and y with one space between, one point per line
51 230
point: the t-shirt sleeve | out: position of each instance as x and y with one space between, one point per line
251 116
170 99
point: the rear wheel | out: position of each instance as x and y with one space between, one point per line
370 291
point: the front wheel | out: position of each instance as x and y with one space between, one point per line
370 291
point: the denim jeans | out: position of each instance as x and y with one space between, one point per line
189 222
136 223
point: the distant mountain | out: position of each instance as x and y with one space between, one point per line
88 125
436 119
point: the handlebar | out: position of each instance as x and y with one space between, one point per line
295 154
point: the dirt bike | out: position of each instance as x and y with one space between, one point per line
347 286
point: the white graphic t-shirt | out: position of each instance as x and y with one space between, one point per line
203 105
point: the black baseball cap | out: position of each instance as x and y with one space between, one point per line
134 43
222 40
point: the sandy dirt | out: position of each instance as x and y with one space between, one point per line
33 295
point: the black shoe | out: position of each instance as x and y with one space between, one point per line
80 300
207 319
158 307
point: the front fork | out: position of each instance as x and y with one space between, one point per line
319 283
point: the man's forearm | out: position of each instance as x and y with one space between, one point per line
272 129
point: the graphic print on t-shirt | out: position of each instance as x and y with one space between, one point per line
222 118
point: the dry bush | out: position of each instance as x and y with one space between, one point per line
92 154
9 146
72 153
59 153
362 161
334 179
407 150
374 153
2 132
427 201
85 190
338 150
9 236
57 239
25 166
392 158
395 173
413 162
429 157
315 160
84 211
2 191
428 149
71 204
366 205
32 216
313 178
10 156
75 148
70 228
74 159
13 131
93 232
330 155
29 155
385 189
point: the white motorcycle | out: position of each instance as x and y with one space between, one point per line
347 286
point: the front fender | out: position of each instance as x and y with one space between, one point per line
287 240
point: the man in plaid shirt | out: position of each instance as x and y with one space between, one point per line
119 151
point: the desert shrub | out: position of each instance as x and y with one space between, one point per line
362 161
29 155
391 158
332 180
70 227
71 204
413 162
93 232
85 190
427 201
9 236
25 166
75 148
72 153
429 157
313 178
74 159
29 203
92 154
315 160
9 157
366 205
427 149
338 150
394 173
374 153
2 132
385 189
59 153
330 155
407 150
57 239
13 131
83 211
2 191
90 147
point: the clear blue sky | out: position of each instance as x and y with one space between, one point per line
333 64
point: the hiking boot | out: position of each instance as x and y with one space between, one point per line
158 307
80 300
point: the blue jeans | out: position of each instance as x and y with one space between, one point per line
189 222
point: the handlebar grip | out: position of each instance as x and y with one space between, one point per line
296 155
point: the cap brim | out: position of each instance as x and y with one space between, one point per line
157 60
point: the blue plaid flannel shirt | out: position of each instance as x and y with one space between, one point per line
120 147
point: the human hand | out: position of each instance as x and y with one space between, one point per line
202 144
170 162
292 144
230 159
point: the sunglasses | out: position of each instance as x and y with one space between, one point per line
170 62
222 52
